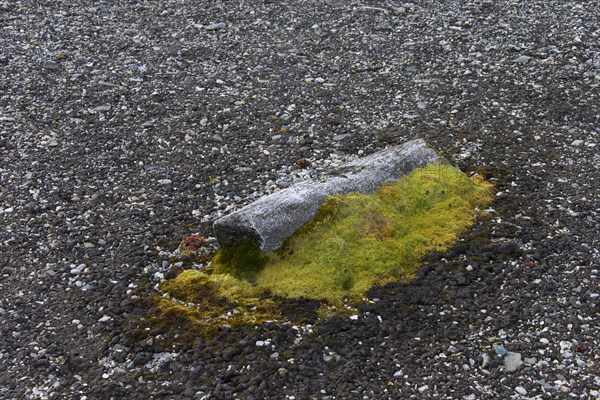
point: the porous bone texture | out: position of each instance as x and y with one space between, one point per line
271 219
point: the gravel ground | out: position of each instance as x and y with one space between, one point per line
125 126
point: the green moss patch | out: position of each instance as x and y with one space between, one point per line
358 241
355 242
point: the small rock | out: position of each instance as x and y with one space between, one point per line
319 80
565 389
452 349
103 108
512 361
165 181
523 59
282 371
148 124
339 138
423 388
398 374
521 390
485 360
49 65
216 26
577 143
501 351
52 142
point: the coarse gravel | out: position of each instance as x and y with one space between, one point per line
125 126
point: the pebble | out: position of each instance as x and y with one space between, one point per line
577 143
512 361
485 360
521 390
319 80
52 142
216 26
164 181
49 65
399 374
501 351
103 108
523 59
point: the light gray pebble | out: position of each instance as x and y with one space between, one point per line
523 59
215 26
512 361
485 360
521 390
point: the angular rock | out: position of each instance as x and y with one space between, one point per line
271 219
512 361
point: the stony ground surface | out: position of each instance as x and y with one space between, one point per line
125 126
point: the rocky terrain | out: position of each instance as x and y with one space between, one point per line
125 126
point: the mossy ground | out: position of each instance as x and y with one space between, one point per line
355 242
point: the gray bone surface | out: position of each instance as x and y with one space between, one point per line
271 219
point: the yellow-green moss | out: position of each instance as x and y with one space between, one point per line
356 241
243 260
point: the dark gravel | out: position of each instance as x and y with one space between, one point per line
125 126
